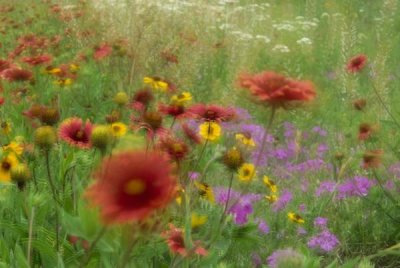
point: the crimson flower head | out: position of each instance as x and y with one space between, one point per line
75 132
176 111
211 112
142 99
176 149
4 64
365 131
102 51
357 63
131 185
176 243
36 60
372 158
277 90
16 74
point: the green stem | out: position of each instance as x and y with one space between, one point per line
92 246
264 139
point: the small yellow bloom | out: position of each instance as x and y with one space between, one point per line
63 82
247 172
295 217
181 99
244 139
271 198
74 68
156 83
14 147
6 127
205 191
6 164
118 129
53 71
210 131
198 220
272 186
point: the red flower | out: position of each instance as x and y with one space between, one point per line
176 242
74 132
131 185
176 149
372 158
365 131
211 112
357 63
277 90
15 74
5 65
177 111
191 134
141 99
102 52
37 59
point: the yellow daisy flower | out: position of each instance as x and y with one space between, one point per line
6 163
63 82
6 128
245 139
247 172
181 99
271 198
270 184
14 147
295 218
74 68
198 220
156 83
205 191
210 131
119 129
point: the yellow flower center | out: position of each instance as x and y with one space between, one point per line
116 128
135 187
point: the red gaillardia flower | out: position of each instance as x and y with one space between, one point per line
176 149
75 132
176 243
102 51
365 131
372 158
356 63
131 185
36 60
142 99
16 74
277 90
211 112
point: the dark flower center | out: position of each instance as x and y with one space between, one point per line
6 165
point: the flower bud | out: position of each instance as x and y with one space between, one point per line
45 137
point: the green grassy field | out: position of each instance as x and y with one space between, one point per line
231 133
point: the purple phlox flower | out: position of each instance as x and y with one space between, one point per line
301 231
394 169
302 207
284 255
242 114
194 175
389 185
357 186
320 131
312 164
304 185
283 200
280 154
325 241
325 186
262 226
256 260
320 222
292 148
241 206
289 129
321 149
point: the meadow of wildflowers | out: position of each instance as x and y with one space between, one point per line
221 133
